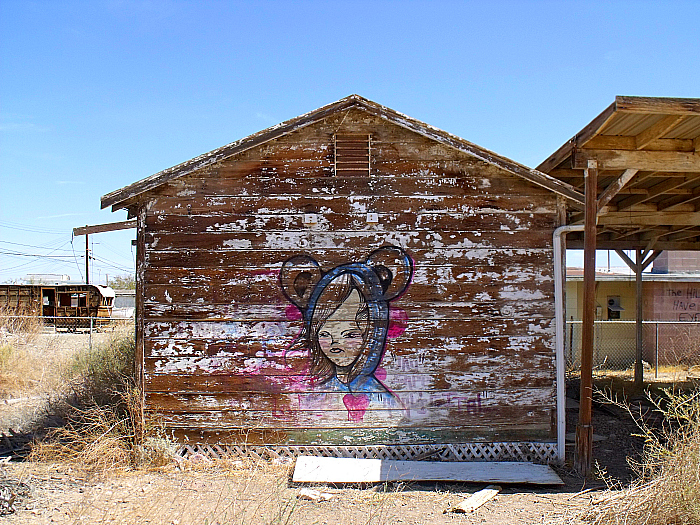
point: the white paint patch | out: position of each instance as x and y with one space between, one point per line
513 293
238 244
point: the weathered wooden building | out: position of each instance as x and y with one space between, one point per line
352 278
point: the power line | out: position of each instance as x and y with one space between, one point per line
21 227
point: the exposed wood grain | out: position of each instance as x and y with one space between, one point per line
614 188
659 105
480 498
402 382
675 161
657 130
351 204
502 429
473 354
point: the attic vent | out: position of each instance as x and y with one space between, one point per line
352 155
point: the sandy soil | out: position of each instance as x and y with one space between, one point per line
263 495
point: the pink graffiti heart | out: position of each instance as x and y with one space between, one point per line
356 405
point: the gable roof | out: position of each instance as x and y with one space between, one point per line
123 197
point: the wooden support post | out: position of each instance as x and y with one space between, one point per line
584 429
638 367
87 259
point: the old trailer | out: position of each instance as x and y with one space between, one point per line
69 306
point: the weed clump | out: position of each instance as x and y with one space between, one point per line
667 489
95 421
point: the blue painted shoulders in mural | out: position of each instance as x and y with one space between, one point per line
345 314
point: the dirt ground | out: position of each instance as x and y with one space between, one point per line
263 495
236 492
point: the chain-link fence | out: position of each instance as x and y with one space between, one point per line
23 328
665 344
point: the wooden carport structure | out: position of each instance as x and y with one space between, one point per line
638 165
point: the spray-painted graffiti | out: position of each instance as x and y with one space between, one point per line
346 321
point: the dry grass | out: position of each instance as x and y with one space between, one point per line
20 370
92 421
667 490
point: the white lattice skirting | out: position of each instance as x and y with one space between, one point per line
504 451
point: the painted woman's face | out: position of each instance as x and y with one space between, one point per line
340 337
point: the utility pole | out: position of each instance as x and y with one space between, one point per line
87 259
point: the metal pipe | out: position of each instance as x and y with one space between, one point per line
559 276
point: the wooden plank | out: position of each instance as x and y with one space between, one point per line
667 186
226 312
387 180
520 431
613 189
537 256
488 377
629 143
488 221
674 161
309 469
661 105
478 202
477 499
305 241
661 218
98 228
657 130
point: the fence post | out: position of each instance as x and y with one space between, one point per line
90 334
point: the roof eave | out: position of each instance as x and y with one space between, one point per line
124 197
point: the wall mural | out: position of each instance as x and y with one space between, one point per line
346 320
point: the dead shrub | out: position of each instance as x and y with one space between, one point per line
667 489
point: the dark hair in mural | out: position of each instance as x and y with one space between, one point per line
345 313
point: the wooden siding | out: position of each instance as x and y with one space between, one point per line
470 348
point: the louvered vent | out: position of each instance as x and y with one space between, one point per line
352 155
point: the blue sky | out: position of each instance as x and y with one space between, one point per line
96 95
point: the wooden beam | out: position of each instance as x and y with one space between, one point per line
651 259
638 366
98 228
657 130
578 140
638 219
686 233
584 429
615 187
656 190
674 161
675 201
658 105
696 144
628 142
629 262
574 243
566 173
